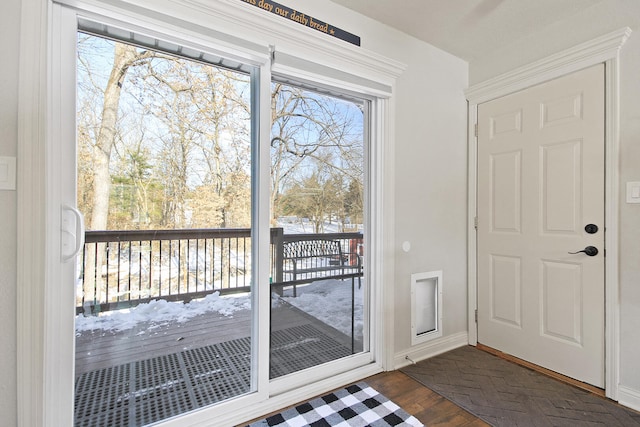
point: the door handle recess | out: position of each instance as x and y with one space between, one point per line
77 234
589 250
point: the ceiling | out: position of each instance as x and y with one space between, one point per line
468 28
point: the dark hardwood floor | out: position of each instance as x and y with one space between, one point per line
424 404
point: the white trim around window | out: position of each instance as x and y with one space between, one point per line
239 30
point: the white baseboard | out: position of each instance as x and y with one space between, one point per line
430 349
629 397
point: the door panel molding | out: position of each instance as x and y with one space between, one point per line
604 49
560 184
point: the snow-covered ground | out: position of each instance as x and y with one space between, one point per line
328 301
161 311
292 225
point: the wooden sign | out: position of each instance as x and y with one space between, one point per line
303 19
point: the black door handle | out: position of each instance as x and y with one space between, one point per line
589 250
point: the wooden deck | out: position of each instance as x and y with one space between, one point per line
99 349
159 370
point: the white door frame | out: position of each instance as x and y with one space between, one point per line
604 49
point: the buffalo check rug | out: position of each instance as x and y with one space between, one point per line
355 405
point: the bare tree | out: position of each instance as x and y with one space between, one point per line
174 135
205 140
318 197
125 56
312 133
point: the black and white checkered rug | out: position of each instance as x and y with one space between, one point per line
356 405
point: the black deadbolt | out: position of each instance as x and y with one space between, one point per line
591 228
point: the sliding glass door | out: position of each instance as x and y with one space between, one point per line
225 205
163 313
317 207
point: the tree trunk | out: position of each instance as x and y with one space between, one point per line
124 57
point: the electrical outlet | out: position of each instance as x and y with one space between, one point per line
633 192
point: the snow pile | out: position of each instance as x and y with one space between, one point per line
159 311
329 301
294 225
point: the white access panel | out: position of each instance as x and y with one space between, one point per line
426 306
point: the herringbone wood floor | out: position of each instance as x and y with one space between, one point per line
505 394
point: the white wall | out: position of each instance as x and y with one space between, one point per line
429 174
431 188
630 214
606 16
9 30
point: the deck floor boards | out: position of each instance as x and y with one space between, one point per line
99 349
157 370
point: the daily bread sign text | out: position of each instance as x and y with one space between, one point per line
303 19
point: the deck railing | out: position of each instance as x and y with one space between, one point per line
121 269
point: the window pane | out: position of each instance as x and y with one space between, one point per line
317 210
163 308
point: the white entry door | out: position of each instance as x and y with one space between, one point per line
540 197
